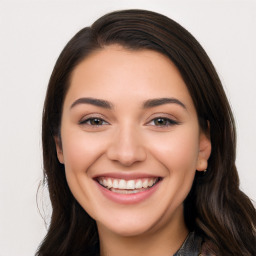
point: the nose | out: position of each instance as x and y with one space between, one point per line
127 147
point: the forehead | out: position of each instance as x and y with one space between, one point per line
114 72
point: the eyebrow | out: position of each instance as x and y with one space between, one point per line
93 101
147 104
161 101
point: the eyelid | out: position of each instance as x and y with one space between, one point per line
172 120
91 116
85 122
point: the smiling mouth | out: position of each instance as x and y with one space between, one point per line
122 186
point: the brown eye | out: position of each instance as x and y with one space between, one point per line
162 122
94 122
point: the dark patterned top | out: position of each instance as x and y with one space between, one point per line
191 246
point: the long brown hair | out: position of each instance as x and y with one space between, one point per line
215 207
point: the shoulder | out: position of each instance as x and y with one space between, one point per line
207 249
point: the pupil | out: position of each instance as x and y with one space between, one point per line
96 121
160 121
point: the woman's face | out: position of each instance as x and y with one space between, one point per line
130 140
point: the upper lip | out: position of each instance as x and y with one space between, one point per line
126 175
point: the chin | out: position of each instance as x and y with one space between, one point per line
128 226
129 230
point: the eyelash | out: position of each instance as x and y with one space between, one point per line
89 121
166 122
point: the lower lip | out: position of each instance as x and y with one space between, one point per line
128 198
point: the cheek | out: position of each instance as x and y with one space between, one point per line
177 151
80 149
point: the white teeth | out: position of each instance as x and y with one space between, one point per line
122 184
145 184
105 183
130 184
151 182
138 184
115 184
111 183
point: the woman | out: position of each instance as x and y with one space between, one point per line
139 146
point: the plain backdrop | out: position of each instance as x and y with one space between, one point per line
32 35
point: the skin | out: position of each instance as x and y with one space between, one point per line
130 139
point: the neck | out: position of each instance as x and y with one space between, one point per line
162 240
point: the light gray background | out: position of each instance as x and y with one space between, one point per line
32 35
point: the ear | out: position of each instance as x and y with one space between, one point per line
59 151
205 148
